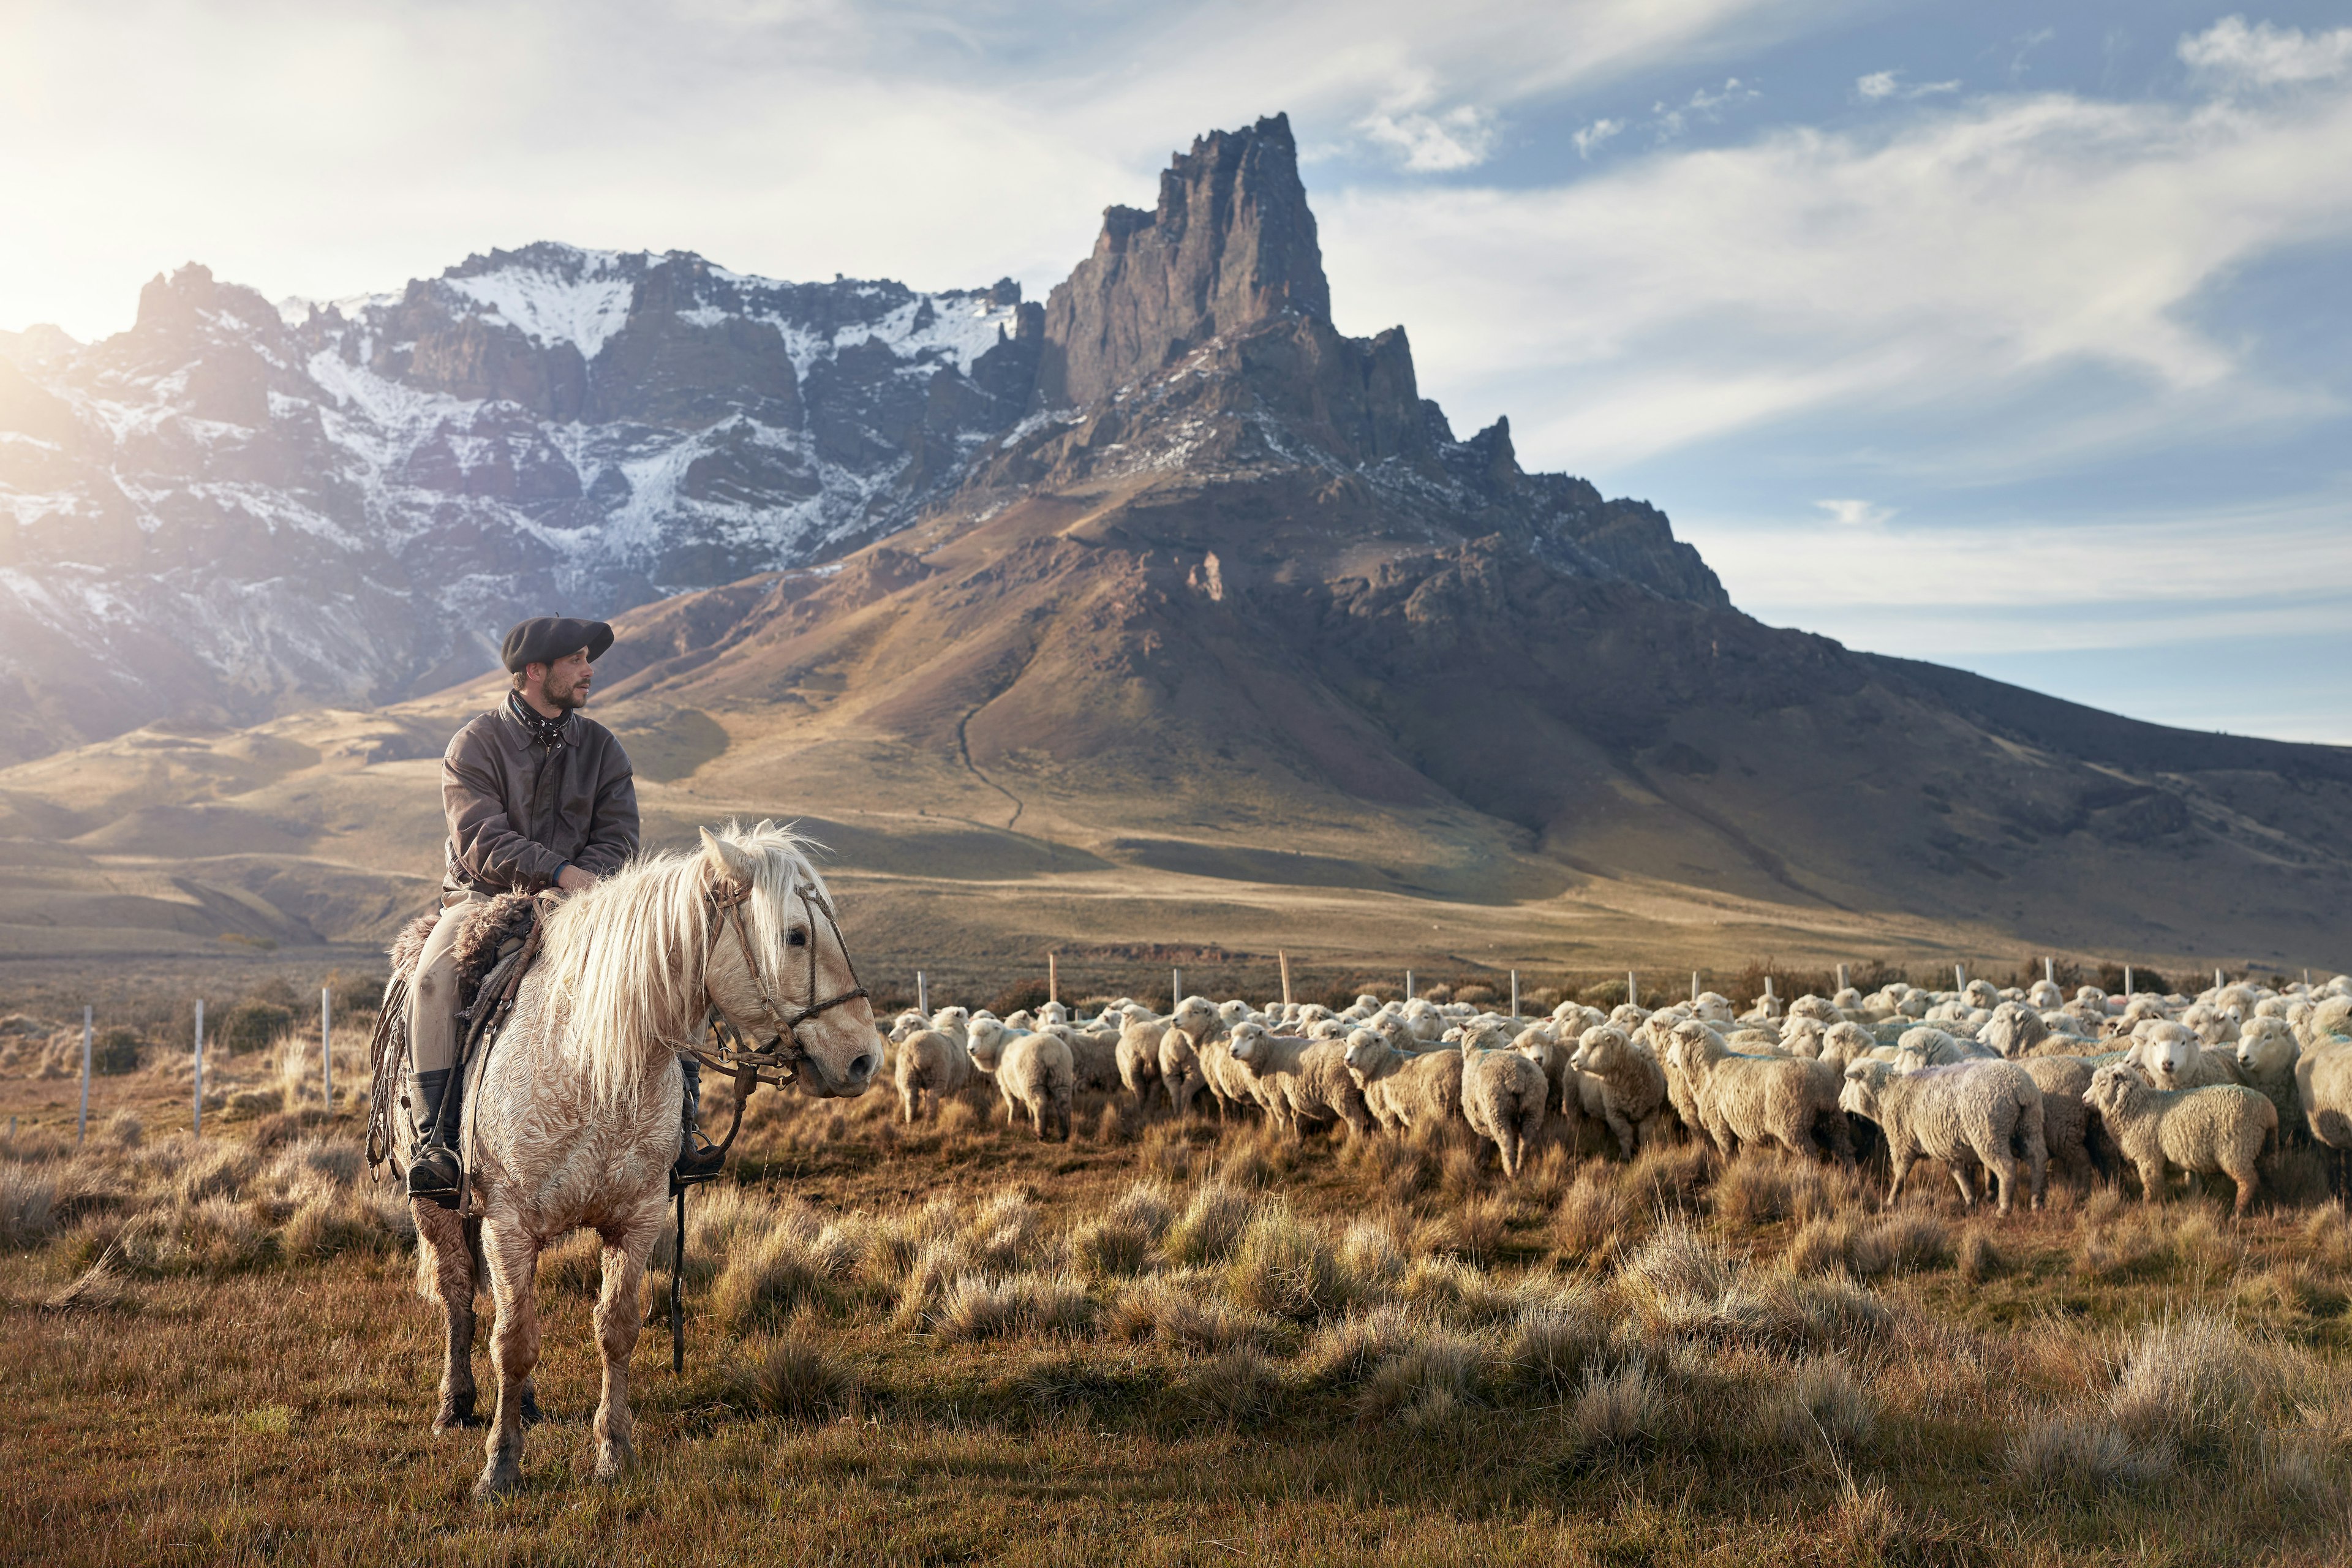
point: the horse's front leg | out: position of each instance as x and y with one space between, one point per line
619 1319
512 1254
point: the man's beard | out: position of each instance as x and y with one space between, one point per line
576 697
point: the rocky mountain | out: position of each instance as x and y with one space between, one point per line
236 508
1179 616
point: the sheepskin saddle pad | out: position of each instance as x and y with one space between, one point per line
486 934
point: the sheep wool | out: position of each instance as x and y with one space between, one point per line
929 1063
1403 1091
1632 1087
2223 1128
1502 1095
1968 1114
1757 1099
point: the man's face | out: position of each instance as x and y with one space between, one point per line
567 681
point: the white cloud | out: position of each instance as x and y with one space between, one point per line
2266 56
1954 259
1857 513
1880 85
1591 138
1433 143
341 145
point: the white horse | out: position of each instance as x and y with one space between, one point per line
572 1121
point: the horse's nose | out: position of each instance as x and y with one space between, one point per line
862 1069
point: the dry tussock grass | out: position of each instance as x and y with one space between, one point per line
1347 1322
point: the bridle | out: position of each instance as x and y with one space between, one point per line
778 1065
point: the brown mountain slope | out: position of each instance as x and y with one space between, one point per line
1231 643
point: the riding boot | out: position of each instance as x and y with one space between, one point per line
699 1159
434 1174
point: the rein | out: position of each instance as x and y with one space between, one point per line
731 1053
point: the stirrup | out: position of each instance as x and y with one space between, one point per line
703 1161
435 1177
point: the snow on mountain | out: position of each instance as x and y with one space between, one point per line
236 505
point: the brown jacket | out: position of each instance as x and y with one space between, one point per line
517 816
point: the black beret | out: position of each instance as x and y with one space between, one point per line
543 639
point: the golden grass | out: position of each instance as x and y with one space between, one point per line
956 1343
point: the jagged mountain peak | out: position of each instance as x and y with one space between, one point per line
1232 243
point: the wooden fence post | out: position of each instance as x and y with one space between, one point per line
922 994
2127 982
1284 959
1515 996
1843 984
1960 978
200 1066
82 1130
1407 985
1694 988
1053 977
327 1048
1632 991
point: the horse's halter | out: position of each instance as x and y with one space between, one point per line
726 902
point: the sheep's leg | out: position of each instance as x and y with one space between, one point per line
443 1236
1623 1129
513 1256
2151 1180
1899 1162
2249 1183
910 1099
2006 1170
617 1323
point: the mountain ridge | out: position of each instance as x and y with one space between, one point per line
1245 621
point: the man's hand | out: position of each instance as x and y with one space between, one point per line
572 879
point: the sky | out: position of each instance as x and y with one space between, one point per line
2012 336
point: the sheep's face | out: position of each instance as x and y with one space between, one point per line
1858 1096
1843 1042
2169 1058
987 1044
2112 1086
1248 1044
1600 1048
1196 1017
952 1021
2267 1047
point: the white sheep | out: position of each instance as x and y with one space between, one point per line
2174 1058
1744 1098
1138 1054
2323 1084
1632 1087
1033 1073
1968 1114
2224 1128
1297 1081
929 1062
1503 1094
1941 1047
2267 1052
1404 1091
2014 1028
2066 1123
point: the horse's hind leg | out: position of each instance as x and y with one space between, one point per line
619 1319
445 1273
511 1254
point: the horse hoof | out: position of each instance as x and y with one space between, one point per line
530 1415
454 1420
497 1480
613 1460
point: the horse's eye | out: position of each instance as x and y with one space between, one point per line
797 939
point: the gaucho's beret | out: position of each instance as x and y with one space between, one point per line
543 639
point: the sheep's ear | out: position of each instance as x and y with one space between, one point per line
728 862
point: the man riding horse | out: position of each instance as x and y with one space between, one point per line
539 797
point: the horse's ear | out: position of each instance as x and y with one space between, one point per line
728 862
767 825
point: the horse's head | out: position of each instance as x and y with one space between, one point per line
778 967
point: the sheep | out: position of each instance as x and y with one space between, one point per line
928 1061
1502 1095
1744 1098
1094 1055
2323 1086
2174 1058
1403 1091
1965 1114
2267 1053
2224 1128
1941 1049
1138 1055
2015 1028
1193 1056
1033 1072
1298 1082
2066 1125
1632 1087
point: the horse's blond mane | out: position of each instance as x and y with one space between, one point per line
626 956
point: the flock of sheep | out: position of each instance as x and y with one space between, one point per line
1981 1078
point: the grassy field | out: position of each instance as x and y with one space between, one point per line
1171 1344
